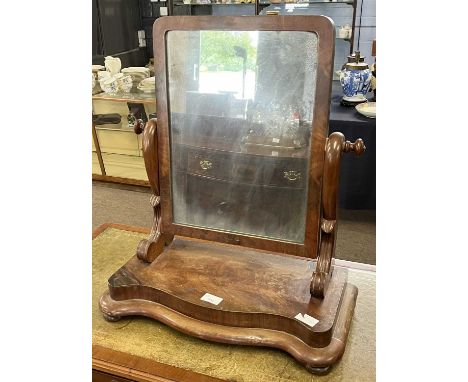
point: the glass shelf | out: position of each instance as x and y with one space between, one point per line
132 97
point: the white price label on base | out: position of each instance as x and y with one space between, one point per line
306 319
211 298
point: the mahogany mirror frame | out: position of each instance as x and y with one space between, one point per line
324 28
257 311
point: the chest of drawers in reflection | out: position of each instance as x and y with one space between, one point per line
240 175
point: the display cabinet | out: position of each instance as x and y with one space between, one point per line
245 181
117 149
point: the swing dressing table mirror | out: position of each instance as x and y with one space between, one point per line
244 182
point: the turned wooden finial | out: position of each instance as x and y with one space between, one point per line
358 147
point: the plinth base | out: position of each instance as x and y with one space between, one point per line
262 293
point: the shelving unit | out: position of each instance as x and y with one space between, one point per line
315 8
343 47
117 150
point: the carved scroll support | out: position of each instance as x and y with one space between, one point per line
148 249
335 146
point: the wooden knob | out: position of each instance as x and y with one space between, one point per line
138 127
358 147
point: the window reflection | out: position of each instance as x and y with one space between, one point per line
240 118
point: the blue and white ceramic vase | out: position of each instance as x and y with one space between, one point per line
355 79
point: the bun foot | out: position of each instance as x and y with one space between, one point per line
318 370
106 308
109 318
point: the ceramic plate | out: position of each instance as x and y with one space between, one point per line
135 69
367 109
147 81
147 90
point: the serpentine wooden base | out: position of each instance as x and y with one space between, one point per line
262 293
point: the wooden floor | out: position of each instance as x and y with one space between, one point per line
113 203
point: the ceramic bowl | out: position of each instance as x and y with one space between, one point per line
138 73
125 83
146 89
367 109
137 77
148 82
109 85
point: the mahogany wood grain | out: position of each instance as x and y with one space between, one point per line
259 289
314 358
335 147
148 249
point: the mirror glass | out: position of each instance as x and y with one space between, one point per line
240 111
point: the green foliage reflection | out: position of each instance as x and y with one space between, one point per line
218 52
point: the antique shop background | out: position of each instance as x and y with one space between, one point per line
115 32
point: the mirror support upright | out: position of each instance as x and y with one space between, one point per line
148 249
334 147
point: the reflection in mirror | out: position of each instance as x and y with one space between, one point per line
240 111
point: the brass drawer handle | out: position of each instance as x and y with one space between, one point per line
206 164
292 175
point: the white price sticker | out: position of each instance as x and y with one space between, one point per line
275 140
211 298
306 319
274 153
